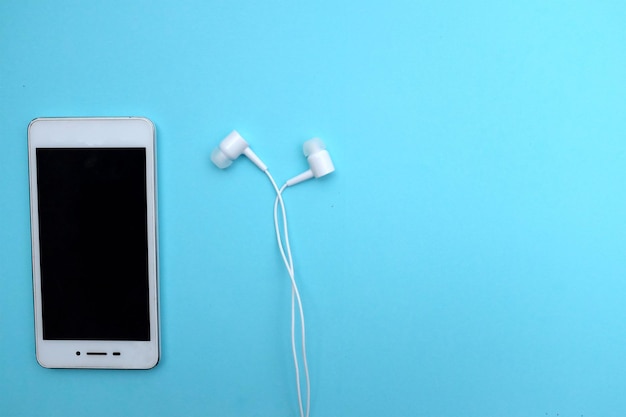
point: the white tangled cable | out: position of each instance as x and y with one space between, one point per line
285 252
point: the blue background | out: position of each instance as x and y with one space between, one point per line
467 258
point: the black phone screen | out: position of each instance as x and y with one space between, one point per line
93 243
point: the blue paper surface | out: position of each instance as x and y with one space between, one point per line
467 258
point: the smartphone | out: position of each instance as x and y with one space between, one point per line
94 242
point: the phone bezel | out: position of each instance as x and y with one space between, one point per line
97 132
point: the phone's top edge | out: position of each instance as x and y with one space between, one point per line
146 120
82 118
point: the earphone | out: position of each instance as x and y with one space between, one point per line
320 164
230 148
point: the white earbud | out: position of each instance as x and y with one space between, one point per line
319 162
231 148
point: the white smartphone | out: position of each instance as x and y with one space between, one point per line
94 242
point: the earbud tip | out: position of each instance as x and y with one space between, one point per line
220 159
312 145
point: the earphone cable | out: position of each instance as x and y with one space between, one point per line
286 255
303 342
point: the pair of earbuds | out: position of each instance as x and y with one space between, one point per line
234 145
320 164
